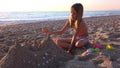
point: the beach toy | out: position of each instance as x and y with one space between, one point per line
97 46
110 47
90 50
97 50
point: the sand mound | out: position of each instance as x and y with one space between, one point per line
3 50
47 55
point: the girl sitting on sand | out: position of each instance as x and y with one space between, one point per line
80 38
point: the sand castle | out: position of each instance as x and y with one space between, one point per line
45 55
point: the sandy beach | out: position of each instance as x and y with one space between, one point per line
25 46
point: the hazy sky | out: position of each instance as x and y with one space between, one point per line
56 5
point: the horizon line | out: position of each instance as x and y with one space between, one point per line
57 11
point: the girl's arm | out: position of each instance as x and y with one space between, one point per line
72 46
62 30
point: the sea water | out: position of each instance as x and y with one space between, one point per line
22 17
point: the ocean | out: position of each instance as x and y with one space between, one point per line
24 17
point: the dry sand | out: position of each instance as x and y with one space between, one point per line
23 45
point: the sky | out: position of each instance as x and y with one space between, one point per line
57 5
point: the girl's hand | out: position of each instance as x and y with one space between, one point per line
45 30
69 52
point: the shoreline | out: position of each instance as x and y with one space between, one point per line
37 21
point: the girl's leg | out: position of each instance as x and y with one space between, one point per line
81 43
62 42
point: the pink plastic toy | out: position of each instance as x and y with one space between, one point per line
89 51
97 46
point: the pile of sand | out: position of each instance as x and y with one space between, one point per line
46 55
3 50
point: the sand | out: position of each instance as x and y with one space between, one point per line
41 55
25 46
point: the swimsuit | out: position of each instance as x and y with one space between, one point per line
82 38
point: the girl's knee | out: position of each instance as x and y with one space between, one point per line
79 44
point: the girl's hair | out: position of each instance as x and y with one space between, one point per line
78 7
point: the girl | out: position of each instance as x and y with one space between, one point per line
80 38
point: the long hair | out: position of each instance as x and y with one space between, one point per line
78 7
